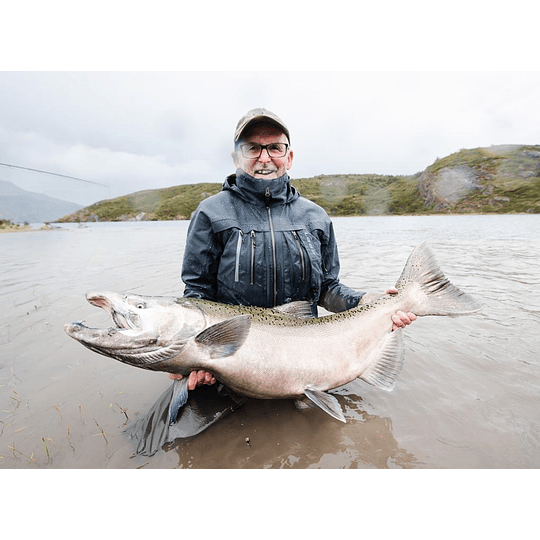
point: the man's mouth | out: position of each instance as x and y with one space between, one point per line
265 172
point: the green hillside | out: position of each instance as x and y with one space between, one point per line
498 179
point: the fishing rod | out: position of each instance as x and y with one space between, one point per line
55 174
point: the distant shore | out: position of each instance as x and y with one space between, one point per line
13 228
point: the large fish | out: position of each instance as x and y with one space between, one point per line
273 353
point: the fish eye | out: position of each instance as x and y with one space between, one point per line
140 305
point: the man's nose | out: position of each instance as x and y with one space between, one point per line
265 156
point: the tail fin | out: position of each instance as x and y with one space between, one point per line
433 293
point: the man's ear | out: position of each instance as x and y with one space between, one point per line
290 159
235 159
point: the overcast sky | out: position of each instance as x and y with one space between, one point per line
132 131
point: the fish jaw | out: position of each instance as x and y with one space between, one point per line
138 349
109 338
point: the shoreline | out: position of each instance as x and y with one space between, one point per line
28 228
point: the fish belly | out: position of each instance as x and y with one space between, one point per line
281 363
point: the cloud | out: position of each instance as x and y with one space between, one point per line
142 130
123 172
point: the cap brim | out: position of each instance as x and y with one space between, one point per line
258 119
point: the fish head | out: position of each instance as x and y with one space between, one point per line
147 329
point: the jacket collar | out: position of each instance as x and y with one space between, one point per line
267 192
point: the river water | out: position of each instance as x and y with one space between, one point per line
468 395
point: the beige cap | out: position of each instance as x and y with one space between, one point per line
259 115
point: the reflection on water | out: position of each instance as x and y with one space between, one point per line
468 395
282 437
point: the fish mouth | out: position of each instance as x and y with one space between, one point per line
112 303
125 321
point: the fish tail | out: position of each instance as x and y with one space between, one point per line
430 291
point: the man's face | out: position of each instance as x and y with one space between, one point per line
264 167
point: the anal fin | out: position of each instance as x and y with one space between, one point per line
326 402
385 369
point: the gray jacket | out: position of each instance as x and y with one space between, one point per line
258 242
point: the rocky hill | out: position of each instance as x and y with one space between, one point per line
503 179
498 179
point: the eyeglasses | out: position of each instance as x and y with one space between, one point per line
254 150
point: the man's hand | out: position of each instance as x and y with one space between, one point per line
400 319
196 378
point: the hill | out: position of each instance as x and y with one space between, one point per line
498 179
19 205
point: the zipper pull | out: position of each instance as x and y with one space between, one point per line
267 194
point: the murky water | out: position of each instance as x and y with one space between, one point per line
468 396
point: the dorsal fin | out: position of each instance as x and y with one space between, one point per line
299 308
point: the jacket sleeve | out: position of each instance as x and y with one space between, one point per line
335 296
201 258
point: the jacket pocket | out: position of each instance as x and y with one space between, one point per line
239 256
313 261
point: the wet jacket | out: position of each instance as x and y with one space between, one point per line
258 242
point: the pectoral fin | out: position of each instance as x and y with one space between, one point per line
326 402
225 338
179 398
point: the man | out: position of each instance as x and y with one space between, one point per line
258 242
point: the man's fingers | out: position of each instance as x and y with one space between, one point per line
402 319
192 383
396 319
196 378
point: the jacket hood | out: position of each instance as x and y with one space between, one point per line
258 191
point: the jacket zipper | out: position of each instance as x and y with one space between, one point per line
301 255
273 252
238 248
252 256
